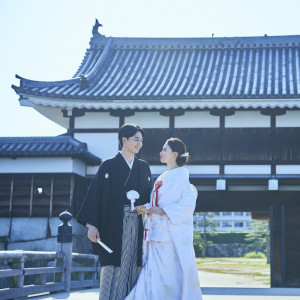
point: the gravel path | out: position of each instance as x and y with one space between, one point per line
208 279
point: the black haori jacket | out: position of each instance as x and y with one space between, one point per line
104 204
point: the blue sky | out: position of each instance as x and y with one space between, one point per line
47 39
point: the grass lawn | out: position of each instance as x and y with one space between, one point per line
255 269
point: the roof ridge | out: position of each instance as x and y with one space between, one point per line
103 56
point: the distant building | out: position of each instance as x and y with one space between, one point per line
227 221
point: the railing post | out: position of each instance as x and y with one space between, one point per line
18 281
64 244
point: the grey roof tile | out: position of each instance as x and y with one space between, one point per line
59 146
181 68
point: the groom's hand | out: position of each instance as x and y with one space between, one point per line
93 233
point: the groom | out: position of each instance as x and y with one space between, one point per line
106 211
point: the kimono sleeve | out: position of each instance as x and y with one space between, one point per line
181 210
92 207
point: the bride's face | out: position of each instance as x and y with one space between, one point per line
167 155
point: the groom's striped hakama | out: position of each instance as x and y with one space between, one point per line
117 282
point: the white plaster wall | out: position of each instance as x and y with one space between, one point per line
290 119
91 170
204 169
42 165
96 120
54 114
149 120
247 119
247 169
103 145
288 169
197 119
198 169
79 167
157 170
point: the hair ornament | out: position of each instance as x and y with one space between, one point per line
184 154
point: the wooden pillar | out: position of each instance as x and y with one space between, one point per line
51 196
31 195
72 185
222 113
172 114
273 113
221 135
278 245
18 281
11 194
71 126
121 114
121 121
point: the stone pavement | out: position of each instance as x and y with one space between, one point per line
209 293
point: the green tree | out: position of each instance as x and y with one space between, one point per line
204 220
259 237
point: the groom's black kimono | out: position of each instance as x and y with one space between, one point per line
104 204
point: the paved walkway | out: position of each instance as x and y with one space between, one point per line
230 287
209 293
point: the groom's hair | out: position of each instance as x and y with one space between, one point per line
128 130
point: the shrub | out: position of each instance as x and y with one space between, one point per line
224 237
255 255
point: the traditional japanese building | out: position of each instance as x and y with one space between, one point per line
234 101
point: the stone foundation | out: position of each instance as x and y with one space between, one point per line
39 234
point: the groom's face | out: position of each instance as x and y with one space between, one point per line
134 143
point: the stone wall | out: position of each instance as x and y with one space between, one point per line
39 234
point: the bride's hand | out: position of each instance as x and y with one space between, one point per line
156 210
141 209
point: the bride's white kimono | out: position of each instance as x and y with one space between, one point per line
169 271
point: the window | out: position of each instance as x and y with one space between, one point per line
238 214
227 214
226 224
238 224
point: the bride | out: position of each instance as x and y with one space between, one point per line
169 269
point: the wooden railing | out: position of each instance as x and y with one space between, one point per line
61 271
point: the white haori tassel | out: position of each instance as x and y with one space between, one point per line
132 195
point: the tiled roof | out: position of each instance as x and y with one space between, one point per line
59 146
180 68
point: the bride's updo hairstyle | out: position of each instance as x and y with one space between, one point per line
177 145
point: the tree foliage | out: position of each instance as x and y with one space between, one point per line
259 237
204 221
